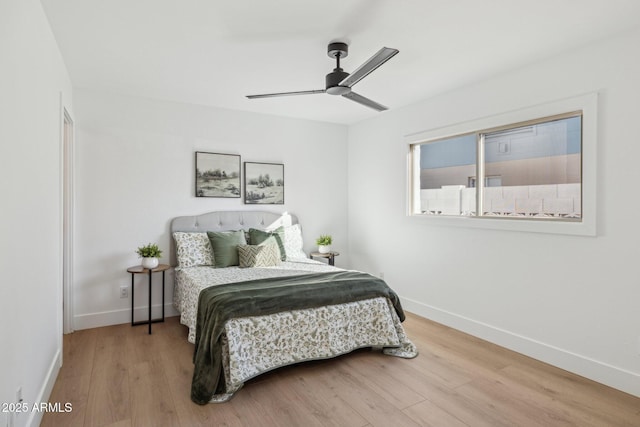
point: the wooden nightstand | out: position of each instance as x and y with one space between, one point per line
329 255
138 269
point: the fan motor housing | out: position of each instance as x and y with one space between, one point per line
333 80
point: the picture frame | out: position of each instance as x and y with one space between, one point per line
217 175
263 183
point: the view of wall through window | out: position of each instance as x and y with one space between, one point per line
531 170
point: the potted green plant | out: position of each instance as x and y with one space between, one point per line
149 254
324 243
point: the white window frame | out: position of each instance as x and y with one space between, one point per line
587 103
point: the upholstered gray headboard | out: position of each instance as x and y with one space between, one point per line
228 220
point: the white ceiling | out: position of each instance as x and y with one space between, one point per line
214 52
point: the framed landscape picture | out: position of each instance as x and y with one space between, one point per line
217 175
263 183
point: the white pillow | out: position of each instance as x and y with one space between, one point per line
193 249
293 242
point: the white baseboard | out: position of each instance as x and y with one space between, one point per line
601 372
117 317
35 417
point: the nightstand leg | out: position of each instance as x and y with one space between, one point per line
163 296
332 260
150 277
132 295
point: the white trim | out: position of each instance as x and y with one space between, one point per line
117 317
588 103
68 200
604 373
35 417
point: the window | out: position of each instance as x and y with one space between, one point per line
530 171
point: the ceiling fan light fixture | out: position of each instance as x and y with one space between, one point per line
338 90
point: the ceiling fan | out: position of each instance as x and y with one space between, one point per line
339 82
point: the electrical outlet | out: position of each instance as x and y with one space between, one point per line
124 291
381 275
19 395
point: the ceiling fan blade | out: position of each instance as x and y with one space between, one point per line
382 56
272 95
365 101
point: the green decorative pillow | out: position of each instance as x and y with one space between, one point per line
225 247
263 255
258 236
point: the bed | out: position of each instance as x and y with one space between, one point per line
271 306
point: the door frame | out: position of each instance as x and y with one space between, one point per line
68 205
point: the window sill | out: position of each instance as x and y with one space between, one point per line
567 227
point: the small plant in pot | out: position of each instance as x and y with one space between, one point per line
324 243
149 254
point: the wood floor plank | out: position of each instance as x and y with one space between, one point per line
277 400
149 397
109 395
178 370
143 347
77 352
472 348
583 396
250 408
461 367
378 373
121 376
516 413
427 414
437 368
323 403
370 405
517 403
549 408
123 423
69 390
470 412
404 372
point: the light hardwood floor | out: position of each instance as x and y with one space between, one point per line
121 376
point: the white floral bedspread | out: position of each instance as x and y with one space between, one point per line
190 281
257 344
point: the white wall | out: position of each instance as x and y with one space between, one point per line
135 172
571 301
32 77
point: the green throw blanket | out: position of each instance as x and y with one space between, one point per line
218 304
